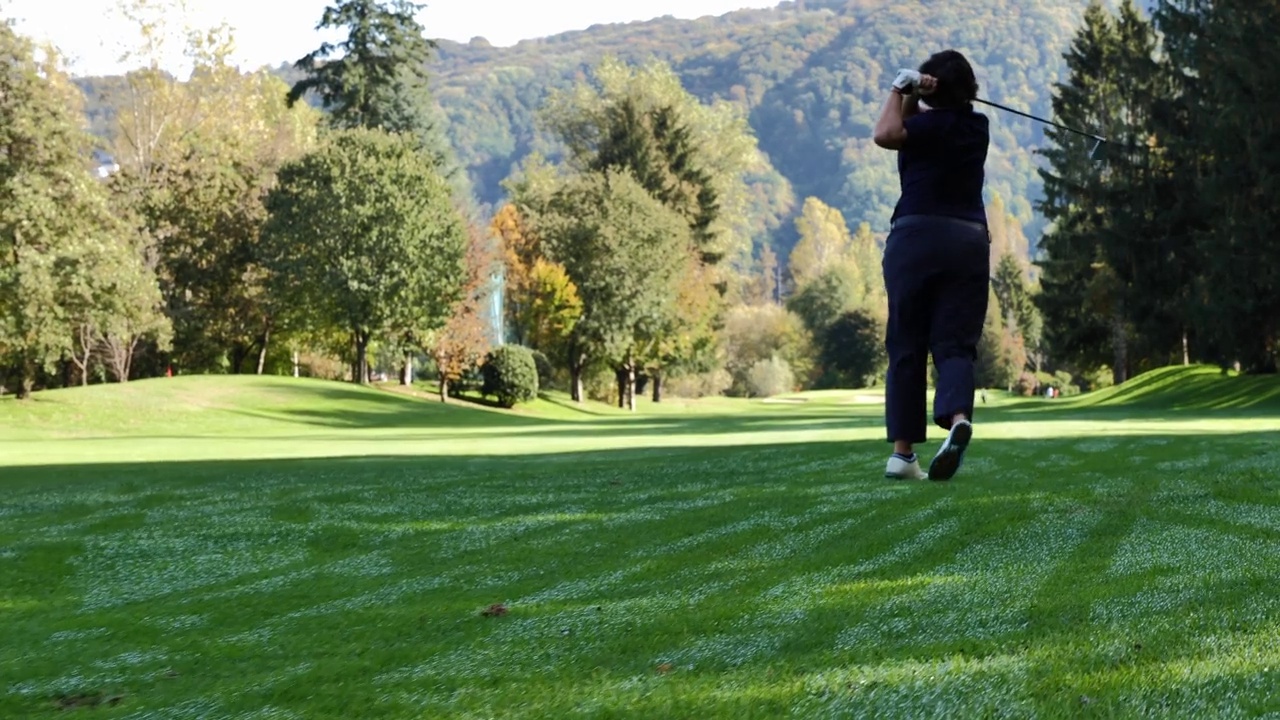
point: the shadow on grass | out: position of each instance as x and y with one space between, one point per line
1163 394
768 580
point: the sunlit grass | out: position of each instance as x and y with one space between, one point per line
244 547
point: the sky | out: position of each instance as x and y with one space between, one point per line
92 34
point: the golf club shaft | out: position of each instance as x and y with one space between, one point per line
998 106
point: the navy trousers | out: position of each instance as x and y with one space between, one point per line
937 274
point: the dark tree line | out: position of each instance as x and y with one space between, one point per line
1163 245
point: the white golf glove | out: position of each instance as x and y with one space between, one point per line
906 81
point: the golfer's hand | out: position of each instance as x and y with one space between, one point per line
906 81
927 85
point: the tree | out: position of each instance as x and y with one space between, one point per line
63 257
764 283
466 337
196 160
1098 271
656 146
1007 236
376 77
824 243
362 234
623 250
685 340
864 259
1221 128
128 308
693 157
822 302
1016 303
551 308
1001 354
753 334
1077 330
852 351
690 157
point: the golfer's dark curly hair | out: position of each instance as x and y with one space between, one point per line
957 85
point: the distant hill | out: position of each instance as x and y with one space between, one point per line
810 75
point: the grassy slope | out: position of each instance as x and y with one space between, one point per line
1104 556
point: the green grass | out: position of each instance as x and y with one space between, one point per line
275 548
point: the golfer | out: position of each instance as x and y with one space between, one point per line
936 260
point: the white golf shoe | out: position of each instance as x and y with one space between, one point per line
951 454
899 469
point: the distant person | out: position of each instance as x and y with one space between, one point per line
936 260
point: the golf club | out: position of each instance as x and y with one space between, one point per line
1098 141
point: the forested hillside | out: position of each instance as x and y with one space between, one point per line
810 76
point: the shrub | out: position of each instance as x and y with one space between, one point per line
1027 384
701 385
546 371
852 351
1065 383
753 333
1100 379
322 366
771 377
511 375
1044 380
600 384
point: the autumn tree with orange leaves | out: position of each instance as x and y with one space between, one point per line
466 338
542 302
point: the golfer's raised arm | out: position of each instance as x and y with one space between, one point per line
890 131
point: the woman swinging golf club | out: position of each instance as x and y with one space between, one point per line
936 259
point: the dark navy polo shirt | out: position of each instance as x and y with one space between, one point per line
941 164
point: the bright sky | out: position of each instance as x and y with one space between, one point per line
93 35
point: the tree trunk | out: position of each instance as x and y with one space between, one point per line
1120 348
631 385
576 363
85 337
629 382
26 378
406 371
239 353
657 387
444 389
1266 362
620 375
66 364
130 348
120 355
1186 348
262 351
355 360
360 371
297 371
